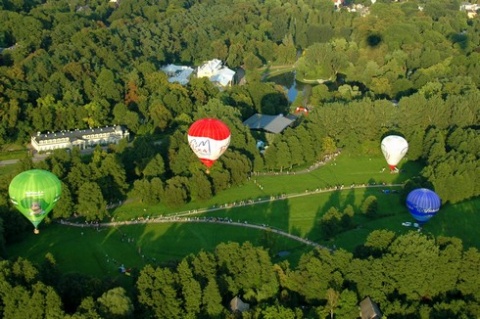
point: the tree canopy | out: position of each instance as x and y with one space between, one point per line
406 275
396 68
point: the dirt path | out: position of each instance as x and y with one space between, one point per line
160 220
191 215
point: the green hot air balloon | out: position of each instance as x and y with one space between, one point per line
34 193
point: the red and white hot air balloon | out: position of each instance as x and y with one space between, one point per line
394 148
209 139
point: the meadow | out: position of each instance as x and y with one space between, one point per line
100 253
309 195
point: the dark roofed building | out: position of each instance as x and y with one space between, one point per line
369 309
270 123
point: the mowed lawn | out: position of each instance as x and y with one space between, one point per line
300 215
101 253
345 170
309 196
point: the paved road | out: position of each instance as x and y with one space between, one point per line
38 157
8 162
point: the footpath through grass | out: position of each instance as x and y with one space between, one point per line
345 170
100 253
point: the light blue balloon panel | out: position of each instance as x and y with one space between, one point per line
423 204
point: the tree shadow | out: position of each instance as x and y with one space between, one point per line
391 132
374 40
461 39
273 103
409 176
137 157
238 222
316 232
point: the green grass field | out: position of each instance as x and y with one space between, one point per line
101 252
347 170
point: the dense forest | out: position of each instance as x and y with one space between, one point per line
410 276
79 64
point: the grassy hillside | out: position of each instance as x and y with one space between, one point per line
308 197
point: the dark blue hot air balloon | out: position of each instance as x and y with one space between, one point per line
423 204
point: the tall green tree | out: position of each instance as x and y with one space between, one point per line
370 206
410 265
330 223
284 156
158 293
175 193
190 290
200 186
116 304
212 299
316 273
142 190
246 270
321 61
91 203
65 205
238 165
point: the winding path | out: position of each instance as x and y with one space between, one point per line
191 215
159 220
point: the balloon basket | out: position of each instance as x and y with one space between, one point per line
207 171
36 231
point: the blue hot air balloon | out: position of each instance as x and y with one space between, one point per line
423 204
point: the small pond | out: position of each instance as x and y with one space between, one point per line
292 86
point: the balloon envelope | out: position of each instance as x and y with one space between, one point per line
394 148
423 204
34 193
209 139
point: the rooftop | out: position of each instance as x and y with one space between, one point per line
77 133
269 123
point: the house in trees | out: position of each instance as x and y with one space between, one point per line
360 8
369 309
236 304
269 123
78 138
214 70
178 73
217 73
337 4
470 9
